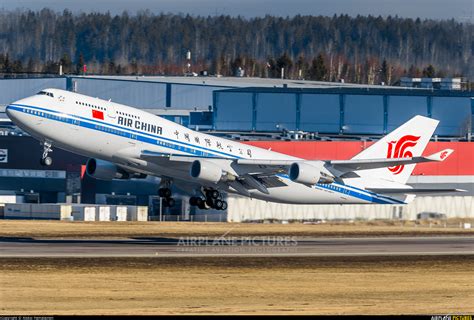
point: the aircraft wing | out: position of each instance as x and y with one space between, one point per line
249 174
186 158
242 166
262 174
339 168
278 166
168 159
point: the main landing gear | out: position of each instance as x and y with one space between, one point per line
45 159
212 200
165 194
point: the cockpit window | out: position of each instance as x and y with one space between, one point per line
46 93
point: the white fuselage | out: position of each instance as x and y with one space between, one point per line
102 129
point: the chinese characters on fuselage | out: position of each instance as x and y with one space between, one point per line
144 126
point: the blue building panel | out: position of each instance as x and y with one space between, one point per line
276 112
403 108
15 89
454 115
357 111
319 113
192 97
326 110
234 111
363 114
146 95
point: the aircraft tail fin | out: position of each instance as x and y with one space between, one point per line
408 140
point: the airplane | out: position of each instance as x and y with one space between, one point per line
123 142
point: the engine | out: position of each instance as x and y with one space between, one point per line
208 171
105 170
309 174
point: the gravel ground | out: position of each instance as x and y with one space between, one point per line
314 285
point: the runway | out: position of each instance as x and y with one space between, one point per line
246 246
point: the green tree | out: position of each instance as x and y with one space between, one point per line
414 72
318 70
17 66
429 72
386 71
237 63
80 64
31 66
272 69
302 67
7 68
66 62
162 39
284 62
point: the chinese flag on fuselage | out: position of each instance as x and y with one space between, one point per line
96 114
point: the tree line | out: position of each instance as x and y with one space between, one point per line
362 49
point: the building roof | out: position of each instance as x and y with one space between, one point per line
234 82
361 89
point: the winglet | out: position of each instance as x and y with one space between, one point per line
440 156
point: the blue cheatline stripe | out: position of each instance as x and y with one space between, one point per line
362 194
179 145
375 198
123 133
371 193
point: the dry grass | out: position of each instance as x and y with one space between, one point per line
364 285
38 228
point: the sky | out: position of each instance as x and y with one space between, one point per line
461 10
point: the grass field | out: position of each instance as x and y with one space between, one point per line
234 285
363 285
38 228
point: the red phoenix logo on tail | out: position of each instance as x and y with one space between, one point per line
398 149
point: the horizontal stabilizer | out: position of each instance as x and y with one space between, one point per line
367 164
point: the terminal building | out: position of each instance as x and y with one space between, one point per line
313 120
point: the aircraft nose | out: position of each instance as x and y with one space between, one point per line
11 113
8 111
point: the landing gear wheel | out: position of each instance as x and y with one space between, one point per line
210 202
46 161
213 194
170 202
193 201
224 205
202 206
218 204
200 203
164 192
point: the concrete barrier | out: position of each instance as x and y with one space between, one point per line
103 213
84 212
118 213
246 209
137 213
37 211
76 212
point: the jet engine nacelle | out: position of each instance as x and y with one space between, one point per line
308 174
208 171
105 170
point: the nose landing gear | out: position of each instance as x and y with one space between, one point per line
45 159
